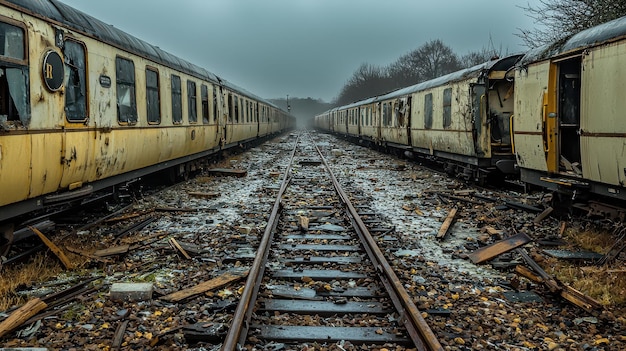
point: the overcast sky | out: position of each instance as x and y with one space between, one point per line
309 48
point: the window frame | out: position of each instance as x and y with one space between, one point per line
204 96
177 99
192 102
156 89
132 84
428 111
447 108
85 82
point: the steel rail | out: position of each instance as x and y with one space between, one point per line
241 318
417 328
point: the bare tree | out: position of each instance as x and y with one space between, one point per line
429 61
559 19
368 80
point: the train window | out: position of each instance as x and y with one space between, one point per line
236 110
386 114
205 103
230 108
177 100
126 99
428 111
13 75
192 102
153 100
75 81
215 100
247 112
447 108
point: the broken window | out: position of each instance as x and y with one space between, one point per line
126 99
447 108
215 104
205 103
153 100
14 79
386 114
177 100
428 111
236 109
75 81
192 102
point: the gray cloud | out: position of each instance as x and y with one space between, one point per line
308 48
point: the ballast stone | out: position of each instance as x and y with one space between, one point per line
131 291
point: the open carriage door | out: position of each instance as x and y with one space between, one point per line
569 115
549 121
479 101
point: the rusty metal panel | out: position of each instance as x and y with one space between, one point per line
455 138
602 114
531 83
14 172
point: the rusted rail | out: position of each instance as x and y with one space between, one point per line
241 319
417 330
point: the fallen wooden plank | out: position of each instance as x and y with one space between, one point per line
204 195
55 249
528 274
446 224
177 246
88 255
543 215
499 247
21 315
119 335
112 251
214 283
303 223
228 171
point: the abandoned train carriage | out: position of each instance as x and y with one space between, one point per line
84 106
462 119
570 127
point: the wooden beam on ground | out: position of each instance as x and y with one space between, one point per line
203 194
214 283
228 172
21 315
543 215
55 249
112 251
499 247
446 224
88 255
180 249
119 335
303 223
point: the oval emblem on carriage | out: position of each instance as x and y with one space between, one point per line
53 71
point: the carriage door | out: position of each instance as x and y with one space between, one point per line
569 115
478 112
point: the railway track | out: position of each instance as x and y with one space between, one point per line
319 276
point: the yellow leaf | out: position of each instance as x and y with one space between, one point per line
602 341
105 325
157 313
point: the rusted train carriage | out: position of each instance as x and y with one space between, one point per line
84 106
462 119
570 127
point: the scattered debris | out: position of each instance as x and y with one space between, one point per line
55 249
